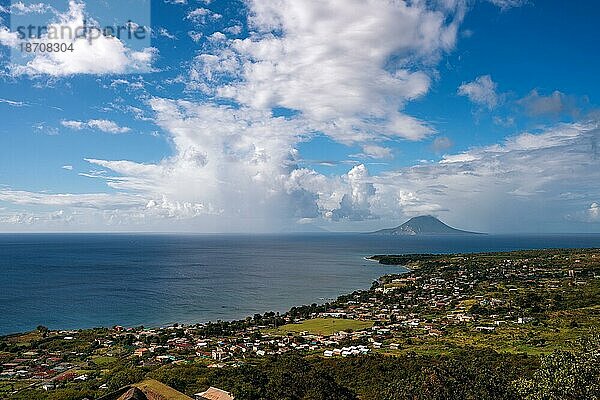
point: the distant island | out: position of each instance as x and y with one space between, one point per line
423 225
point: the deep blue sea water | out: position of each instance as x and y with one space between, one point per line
79 281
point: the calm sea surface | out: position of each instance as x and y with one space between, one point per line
80 281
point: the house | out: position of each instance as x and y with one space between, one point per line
525 320
83 377
219 354
133 393
48 386
141 352
146 390
214 394
485 328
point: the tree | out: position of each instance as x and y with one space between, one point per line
124 376
565 375
43 330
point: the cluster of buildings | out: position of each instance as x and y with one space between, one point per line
420 304
38 365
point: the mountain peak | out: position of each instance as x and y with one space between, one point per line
423 225
423 218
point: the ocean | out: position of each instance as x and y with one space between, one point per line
69 281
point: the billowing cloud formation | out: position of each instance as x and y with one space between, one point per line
240 165
481 91
227 161
346 66
99 54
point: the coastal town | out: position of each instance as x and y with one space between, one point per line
529 302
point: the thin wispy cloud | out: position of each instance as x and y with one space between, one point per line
13 103
102 125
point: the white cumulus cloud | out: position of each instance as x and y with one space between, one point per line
8 38
377 152
482 91
97 55
347 67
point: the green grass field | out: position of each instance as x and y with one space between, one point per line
324 326
103 361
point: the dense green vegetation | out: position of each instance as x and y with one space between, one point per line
464 375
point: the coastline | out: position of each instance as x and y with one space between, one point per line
191 323
379 259
446 308
156 280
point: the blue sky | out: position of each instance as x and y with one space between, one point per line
262 116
